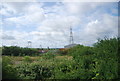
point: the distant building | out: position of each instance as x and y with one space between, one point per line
70 45
43 51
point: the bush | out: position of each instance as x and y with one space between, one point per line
48 55
65 70
33 71
80 50
27 59
98 62
107 58
0 67
107 48
8 71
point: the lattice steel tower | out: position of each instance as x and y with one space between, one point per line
71 36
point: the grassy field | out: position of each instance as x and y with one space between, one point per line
39 59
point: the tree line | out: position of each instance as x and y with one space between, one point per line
19 51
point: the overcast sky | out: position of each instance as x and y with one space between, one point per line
48 23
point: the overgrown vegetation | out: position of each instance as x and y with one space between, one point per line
33 71
27 59
8 71
80 62
19 51
48 55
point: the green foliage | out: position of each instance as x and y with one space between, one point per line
19 51
107 58
84 58
48 55
80 50
66 69
33 71
27 59
8 71
0 67
107 48
97 62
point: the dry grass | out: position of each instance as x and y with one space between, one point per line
16 58
64 57
35 58
20 58
38 59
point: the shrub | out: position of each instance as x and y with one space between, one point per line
0 67
107 59
48 55
27 59
98 62
8 71
65 70
33 71
107 48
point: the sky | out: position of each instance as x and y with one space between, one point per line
47 24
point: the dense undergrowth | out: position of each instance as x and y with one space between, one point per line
98 62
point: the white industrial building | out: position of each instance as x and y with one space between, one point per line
70 45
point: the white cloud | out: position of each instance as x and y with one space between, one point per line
19 0
107 26
58 23
51 24
34 18
20 8
31 15
59 0
90 1
6 10
6 37
15 34
83 9
15 38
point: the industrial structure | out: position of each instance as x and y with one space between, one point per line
71 40
29 44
